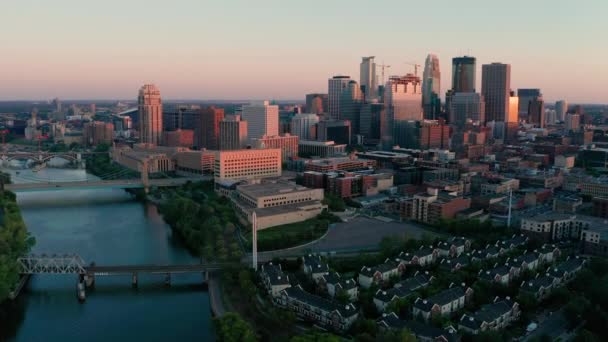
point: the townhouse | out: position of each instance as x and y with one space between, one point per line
382 273
453 247
455 264
274 279
444 303
495 316
314 267
401 290
424 256
422 332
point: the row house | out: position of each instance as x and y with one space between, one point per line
548 253
453 247
274 279
500 274
382 273
495 316
517 240
455 264
328 314
314 267
529 261
489 252
567 270
424 256
401 290
540 287
444 303
423 332
333 283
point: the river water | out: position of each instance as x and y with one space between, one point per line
109 228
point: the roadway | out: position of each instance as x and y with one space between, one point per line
154 269
99 184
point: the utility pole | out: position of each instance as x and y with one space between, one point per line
254 240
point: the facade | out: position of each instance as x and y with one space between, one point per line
304 126
370 121
525 96
179 138
463 74
247 164
316 103
336 85
428 134
338 131
157 162
323 149
181 117
262 119
536 111
97 132
573 122
287 143
495 316
432 206
442 304
195 162
403 100
340 164
431 88
233 133
496 90
561 108
350 105
150 115
368 78
467 108
207 131
600 207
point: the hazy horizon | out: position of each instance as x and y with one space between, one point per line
282 50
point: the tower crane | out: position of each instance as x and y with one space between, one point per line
415 65
383 66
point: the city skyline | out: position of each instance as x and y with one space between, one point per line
191 53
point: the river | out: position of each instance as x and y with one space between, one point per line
109 228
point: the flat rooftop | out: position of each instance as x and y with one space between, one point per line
268 189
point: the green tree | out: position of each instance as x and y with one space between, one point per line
232 328
316 337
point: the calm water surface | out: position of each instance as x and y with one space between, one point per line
110 228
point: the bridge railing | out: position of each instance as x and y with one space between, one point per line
53 264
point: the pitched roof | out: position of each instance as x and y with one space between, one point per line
487 313
534 285
296 292
392 321
315 263
275 275
331 278
441 298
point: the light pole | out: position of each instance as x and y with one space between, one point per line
254 239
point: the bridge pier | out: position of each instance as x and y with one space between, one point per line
134 281
168 279
89 280
80 291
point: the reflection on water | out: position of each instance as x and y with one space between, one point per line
109 228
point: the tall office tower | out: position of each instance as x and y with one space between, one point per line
561 108
336 85
207 130
316 103
303 125
262 119
57 105
350 105
512 118
150 115
525 96
98 132
431 87
423 134
368 78
338 131
573 122
536 111
550 117
233 133
370 120
467 108
403 100
287 143
463 74
496 89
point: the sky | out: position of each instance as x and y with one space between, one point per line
283 49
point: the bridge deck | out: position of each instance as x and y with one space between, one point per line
154 269
98 184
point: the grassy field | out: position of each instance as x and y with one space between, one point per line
294 234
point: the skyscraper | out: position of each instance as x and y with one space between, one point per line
316 103
536 111
336 85
262 119
368 78
496 90
350 105
467 108
463 74
207 130
338 131
150 115
431 87
303 125
233 133
525 96
403 100
561 108
370 120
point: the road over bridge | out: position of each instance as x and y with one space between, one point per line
100 184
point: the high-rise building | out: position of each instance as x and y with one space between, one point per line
98 132
207 131
316 103
561 108
425 134
573 122
463 74
511 121
150 115
467 108
370 120
233 133
431 87
287 143
247 164
368 78
536 111
179 138
262 119
525 96
338 131
181 117
57 105
496 90
304 126
336 85
403 100
350 105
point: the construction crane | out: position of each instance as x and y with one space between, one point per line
383 66
415 67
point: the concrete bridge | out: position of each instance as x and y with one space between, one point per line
100 184
74 264
40 157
